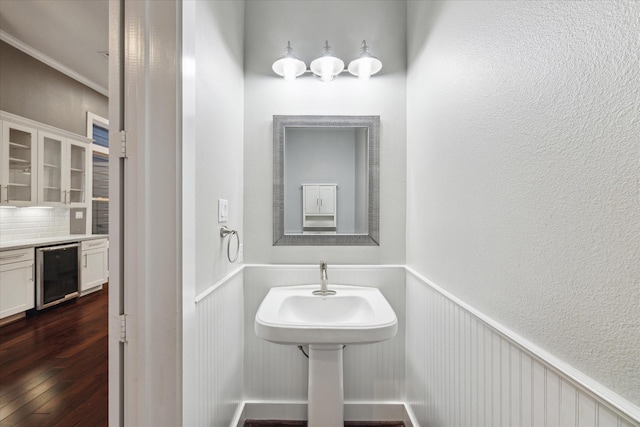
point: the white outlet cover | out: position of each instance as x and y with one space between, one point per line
223 210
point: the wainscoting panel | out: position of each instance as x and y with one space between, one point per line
220 350
462 372
372 372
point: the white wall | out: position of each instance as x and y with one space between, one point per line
216 395
219 108
522 164
307 24
463 369
212 114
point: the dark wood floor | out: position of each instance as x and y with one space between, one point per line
53 366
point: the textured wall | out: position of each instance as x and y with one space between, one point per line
462 371
307 24
523 142
34 90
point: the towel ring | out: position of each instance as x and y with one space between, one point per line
224 232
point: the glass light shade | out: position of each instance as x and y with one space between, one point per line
288 65
327 66
365 65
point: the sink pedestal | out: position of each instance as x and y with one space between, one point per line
326 393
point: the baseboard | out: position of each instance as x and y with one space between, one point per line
292 410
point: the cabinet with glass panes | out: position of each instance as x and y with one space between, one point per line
18 165
42 165
62 169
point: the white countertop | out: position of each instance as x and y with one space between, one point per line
46 241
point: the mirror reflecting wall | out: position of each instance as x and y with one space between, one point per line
326 180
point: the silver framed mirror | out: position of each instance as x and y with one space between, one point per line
326 180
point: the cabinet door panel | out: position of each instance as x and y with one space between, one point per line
18 168
51 166
16 288
312 199
77 173
94 268
327 199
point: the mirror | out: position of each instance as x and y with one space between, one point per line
326 180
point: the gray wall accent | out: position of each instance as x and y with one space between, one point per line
31 89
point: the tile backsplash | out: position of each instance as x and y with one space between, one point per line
26 223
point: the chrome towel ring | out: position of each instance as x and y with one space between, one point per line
224 232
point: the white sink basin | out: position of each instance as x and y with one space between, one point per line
354 315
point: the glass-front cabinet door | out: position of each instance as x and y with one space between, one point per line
62 166
51 189
18 176
77 172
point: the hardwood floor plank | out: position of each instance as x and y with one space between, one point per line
54 365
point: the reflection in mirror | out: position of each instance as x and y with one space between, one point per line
326 172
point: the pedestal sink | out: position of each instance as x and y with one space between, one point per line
293 315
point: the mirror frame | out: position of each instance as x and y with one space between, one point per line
280 124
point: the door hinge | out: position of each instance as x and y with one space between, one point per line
123 328
123 144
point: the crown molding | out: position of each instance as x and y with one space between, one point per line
9 39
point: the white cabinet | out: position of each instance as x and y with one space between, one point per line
43 166
94 262
319 207
62 170
16 282
18 156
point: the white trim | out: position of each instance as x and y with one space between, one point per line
336 266
585 382
296 410
94 119
14 118
219 283
9 39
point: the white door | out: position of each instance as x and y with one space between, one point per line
145 373
327 199
311 199
117 348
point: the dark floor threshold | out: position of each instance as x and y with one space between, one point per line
282 423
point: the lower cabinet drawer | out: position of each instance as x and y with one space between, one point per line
16 255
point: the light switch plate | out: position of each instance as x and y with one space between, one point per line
223 210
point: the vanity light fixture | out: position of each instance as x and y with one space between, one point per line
365 65
327 66
288 65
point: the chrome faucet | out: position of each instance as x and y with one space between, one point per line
323 281
323 276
